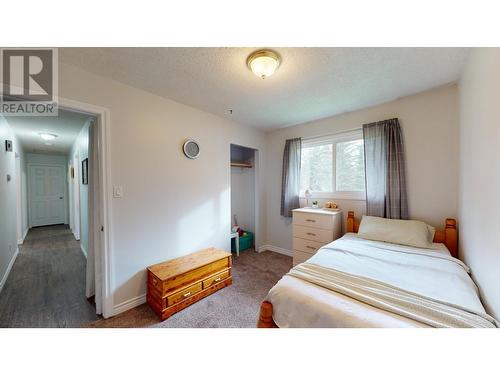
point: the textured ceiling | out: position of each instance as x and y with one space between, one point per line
66 126
311 83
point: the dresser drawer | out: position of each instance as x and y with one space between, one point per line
313 234
300 257
307 246
215 279
183 294
313 220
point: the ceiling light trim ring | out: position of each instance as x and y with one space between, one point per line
263 53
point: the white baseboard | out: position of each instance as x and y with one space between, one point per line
129 304
84 251
21 241
275 249
9 267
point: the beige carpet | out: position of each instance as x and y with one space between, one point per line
236 306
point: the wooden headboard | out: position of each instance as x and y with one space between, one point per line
448 235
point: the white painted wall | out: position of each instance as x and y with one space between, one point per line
81 149
430 129
8 194
479 201
171 205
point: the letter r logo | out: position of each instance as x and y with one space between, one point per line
27 74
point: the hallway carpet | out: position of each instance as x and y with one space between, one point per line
236 306
46 286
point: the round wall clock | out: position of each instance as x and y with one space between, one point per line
191 149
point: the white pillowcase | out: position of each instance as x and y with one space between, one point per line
403 232
432 232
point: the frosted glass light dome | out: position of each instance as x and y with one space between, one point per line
263 63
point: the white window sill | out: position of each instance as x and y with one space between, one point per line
354 196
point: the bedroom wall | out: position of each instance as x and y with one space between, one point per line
479 187
430 130
8 194
171 205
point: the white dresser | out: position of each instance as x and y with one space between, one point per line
312 229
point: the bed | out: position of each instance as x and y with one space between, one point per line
355 282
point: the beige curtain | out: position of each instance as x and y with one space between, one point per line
290 177
94 270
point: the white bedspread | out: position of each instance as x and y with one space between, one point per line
432 273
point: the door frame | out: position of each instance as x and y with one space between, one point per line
19 203
103 116
76 197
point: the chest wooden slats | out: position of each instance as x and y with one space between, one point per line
180 282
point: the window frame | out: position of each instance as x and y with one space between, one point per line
333 139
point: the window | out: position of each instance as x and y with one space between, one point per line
334 166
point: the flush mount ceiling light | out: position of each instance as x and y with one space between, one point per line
263 63
47 136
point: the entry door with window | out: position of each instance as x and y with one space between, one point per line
46 195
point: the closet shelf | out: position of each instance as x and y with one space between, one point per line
241 165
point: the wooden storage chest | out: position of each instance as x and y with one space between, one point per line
180 282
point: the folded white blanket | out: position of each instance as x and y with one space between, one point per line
389 298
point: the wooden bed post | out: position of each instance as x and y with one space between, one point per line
350 222
451 236
266 316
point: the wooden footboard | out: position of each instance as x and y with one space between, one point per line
266 316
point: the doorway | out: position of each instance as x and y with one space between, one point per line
244 200
46 192
54 197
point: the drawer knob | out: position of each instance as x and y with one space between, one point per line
311 220
217 279
186 294
310 234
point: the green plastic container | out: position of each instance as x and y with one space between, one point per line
246 242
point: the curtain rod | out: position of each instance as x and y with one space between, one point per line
329 134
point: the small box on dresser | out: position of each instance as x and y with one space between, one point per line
180 282
312 229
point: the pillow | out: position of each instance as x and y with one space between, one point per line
403 232
432 232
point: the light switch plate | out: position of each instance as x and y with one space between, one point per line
117 191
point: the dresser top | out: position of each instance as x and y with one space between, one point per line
318 211
178 266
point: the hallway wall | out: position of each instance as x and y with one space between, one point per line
81 149
8 194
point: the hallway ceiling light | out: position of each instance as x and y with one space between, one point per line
47 136
263 63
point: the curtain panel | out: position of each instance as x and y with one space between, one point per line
385 170
290 178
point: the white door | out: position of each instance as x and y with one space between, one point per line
47 185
